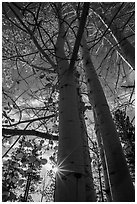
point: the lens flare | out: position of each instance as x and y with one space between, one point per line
55 169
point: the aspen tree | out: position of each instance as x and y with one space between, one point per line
103 160
70 179
120 180
90 191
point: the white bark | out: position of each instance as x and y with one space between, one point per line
70 179
121 184
70 183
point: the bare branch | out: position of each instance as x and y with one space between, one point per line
30 121
13 132
79 35
33 38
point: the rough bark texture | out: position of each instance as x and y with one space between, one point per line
121 184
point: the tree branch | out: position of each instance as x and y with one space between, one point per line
13 132
79 34
32 37
30 121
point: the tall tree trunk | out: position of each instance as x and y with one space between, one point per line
119 41
102 155
90 191
70 179
121 184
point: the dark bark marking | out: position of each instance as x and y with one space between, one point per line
87 62
70 120
66 85
78 175
64 178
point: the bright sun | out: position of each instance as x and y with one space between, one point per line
55 169
50 167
